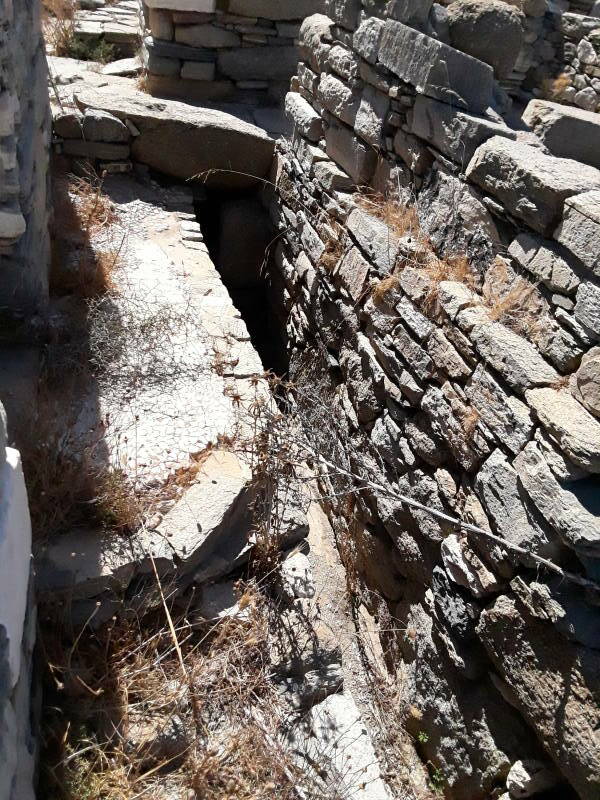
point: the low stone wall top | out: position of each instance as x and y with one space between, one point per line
243 50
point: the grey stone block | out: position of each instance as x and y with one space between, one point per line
435 69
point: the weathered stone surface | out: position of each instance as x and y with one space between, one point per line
546 261
566 131
335 737
451 420
316 40
182 140
109 151
367 39
413 152
472 734
527 778
352 272
296 578
303 115
587 307
354 156
15 560
576 526
455 133
531 185
370 116
585 384
568 423
206 36
100 126
466 569
68 124
258 63
338 98
489 30
579 230
332 178
375 239
554 683
498 488
274 9
435 69
505 415
515 358
197 71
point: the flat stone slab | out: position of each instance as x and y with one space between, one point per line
455 133
567 131
435 69
184 141
530 184
579 230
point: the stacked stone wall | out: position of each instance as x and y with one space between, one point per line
24 147
455 318
231 50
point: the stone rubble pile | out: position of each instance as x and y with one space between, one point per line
240 50
484 414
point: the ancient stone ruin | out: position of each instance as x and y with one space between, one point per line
300 383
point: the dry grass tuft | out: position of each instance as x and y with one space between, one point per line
451 268
380 290
59 25
554 88
117 687
513 300
402 219
82 210
331 255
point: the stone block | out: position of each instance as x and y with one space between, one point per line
515 358
587 307
455 133
100 126
15 559
258 63
275 9
569 424
181 140
375 239
338 98
68 124
547 262
209 36
367 39
303 116
353 271
203 6
161 23
103 150
12 225
174 50
198 71
353 156
530 184
575 525
159 65
371 114
332 178
579 230
435 69
568 132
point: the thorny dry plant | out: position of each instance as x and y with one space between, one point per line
142 705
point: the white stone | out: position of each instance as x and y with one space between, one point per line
15 557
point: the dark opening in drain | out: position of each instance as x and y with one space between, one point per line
239 235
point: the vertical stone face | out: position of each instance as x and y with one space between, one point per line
24 147
17 624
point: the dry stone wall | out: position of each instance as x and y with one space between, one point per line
24 146
454 319
244 50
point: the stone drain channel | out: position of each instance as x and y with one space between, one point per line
181 380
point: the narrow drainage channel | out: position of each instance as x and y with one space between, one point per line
239 236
